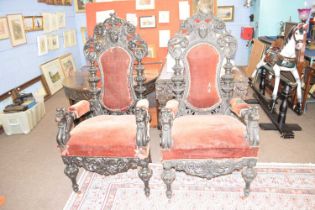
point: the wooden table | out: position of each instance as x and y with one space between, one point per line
76 86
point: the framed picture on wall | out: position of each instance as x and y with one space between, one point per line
38 23
80 4
151 51
16 28
147 21
42 45
84 34
67 65
145 4
53 75
211 4
28 23
4 31
226 13
53 42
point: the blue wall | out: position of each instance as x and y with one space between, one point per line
241 18
21 63
269 14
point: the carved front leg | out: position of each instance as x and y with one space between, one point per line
72 171
168 176
249 174
145 173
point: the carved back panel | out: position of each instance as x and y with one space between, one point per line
199 49
114 48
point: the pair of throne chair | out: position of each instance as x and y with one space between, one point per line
205 132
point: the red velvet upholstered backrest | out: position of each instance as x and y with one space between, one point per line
115 64
203 91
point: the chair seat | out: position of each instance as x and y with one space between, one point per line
208 136
104 136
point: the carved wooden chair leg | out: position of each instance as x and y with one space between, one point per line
168 176
249 173
145 173
72 171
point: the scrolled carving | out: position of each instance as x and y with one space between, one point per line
229 45
65 122
142 118
89 51
210 168
177 45
166 121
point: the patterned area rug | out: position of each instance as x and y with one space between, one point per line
277 186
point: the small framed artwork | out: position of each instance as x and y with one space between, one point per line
147 21
16 28
53 75
4 31
84 34
67 2
151 51
207 4
42 45
226 13
28 23
145 4
69 38
53 42
38 23
61 19
80 5
67 65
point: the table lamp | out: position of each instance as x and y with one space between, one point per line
304 14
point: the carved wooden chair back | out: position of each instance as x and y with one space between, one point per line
200 48
114 48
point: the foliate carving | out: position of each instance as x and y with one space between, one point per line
251 118
89 51
210 168
163 91
229 45
103 166
166 121
142 120
65 122
96 107
140 49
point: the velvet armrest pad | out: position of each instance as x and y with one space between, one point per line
237 105
144 103
172 105
80 108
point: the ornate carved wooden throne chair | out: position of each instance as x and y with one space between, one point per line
115 136
206 132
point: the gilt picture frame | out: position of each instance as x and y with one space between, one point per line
67 64
80 5
145 4
4 30
147 22
226 13
16 28
53 75
28 23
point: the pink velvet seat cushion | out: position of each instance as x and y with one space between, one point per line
208 136
104 136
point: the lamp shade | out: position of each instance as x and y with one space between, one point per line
304 14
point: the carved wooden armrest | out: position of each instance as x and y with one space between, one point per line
168 114
65 122
249 115
80 108
143 123
143 103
